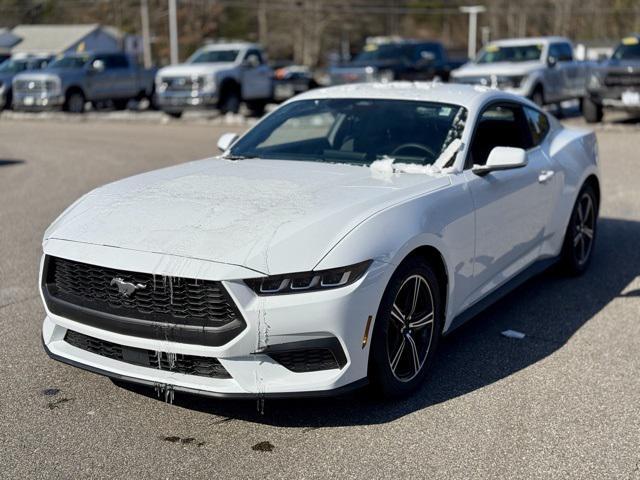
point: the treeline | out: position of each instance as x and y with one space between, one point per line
313 31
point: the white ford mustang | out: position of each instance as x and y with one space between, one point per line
331 245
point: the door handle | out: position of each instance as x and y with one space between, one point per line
545 176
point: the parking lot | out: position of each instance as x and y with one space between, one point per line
562 402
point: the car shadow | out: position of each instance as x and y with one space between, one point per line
5 162
549 309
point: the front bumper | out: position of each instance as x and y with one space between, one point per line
187 100
37 101
276 323
614 97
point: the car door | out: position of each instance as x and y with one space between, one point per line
99 78
511 206
123 77
256 76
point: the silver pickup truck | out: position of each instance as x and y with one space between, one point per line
73 80
542 69
221 76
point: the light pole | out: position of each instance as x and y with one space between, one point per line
473 11
173 31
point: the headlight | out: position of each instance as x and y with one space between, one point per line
385 76
595 80
51 85
510 81
308 281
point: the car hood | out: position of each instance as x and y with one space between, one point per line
46 74
194 69
270 216
499 68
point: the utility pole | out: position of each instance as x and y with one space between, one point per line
146 41
262 23
473 11
173 31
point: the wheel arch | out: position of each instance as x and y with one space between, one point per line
74 88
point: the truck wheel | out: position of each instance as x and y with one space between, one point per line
230 101
174 114
591 111
74 102
8 100
256 107
537 96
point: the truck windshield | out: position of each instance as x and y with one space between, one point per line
381 52
214 56
13 66
354 131
70 62
516 53
627 52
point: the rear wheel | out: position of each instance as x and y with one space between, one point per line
407 330
174 114
581 233
256 107
592 112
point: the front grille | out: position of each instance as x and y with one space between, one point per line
30 86
308 360
179 363
168 308
181 84
621 79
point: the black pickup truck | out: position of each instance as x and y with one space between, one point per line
396 60
615 83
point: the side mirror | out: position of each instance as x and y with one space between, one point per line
552 61
502 158
226 140
97 66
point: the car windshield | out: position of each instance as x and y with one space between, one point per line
354 131
214 56
517 53
630 51
13 66
70 62
381 52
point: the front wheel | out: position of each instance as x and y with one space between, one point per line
591 111
581 233
407 330
75 102
537 96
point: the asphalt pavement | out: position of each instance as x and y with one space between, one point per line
564 402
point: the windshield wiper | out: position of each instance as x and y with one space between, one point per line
238 157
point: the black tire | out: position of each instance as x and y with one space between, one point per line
74 102
120 103
591 111
8 100
390 334
580 237
229 99
256 107
174 114
537 96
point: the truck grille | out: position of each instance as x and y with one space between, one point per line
179 363
182 84
32 86
621 79
169 308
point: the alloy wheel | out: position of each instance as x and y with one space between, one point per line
584 227
411 328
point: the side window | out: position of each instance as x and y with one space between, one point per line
256 55
538 125
500 125
554 51
112 62
566 53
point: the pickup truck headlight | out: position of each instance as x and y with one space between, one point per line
51 85
511 81
308 281
207 83
595 80
384 76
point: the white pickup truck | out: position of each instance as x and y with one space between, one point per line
542 69
221 76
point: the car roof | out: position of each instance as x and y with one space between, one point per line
469 96
529 40
230 46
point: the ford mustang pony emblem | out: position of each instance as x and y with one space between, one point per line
127 289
